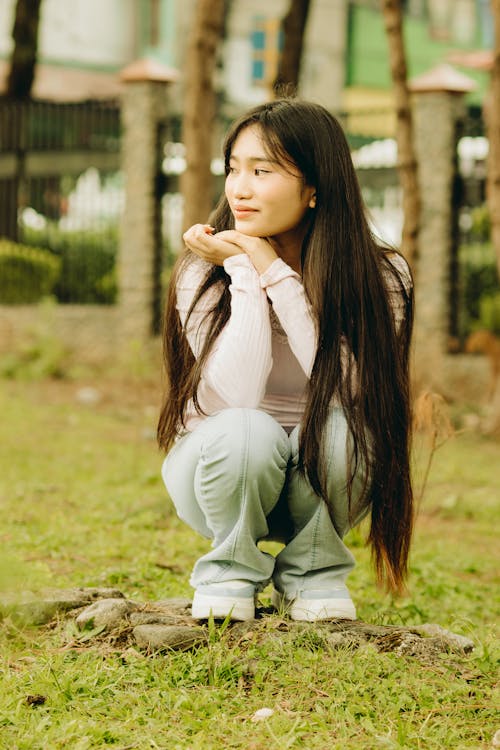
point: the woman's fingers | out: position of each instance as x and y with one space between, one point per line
259 250
245 241
215 248
195 234
208 246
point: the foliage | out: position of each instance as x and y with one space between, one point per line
27 274
39 353
87 262
481 223
431 418
489 312
480 289
101 470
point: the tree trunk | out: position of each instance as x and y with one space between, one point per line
407 162
23 61
493 125
492 422
200 109
293 26
19 84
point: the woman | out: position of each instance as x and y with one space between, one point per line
287 330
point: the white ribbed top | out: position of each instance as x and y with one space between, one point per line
264 355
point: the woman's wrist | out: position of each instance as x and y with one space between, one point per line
262 256
262 264
258 249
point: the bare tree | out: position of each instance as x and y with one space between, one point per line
407 161
24 55
493 125
13 117
200 109
293 26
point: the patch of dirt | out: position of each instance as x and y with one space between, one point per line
110 392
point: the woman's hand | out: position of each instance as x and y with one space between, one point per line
259 250
214 248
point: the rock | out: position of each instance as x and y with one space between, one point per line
36 700
174 606
39 608
414 645
167 624
453 641
93 593
162 637
108 613
163 612
88 396
344 640
34 611
152 618
262 713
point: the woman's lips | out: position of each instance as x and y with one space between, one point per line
243 211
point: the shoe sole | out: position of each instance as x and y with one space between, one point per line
220 607
314 610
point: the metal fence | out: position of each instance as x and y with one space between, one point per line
473 284
61 191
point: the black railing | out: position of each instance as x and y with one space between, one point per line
60 189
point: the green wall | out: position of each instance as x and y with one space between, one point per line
368 62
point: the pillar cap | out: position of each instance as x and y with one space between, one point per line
146 69
443 78
480 59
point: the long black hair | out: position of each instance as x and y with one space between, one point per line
347 276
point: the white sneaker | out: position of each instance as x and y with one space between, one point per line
317 604
235 599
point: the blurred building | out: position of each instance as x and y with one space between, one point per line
436 31
83 44
61 165
253 45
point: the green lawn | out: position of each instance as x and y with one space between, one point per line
82 503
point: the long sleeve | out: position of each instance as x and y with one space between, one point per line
285 290
237 368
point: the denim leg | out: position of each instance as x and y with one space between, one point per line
224 478
316 558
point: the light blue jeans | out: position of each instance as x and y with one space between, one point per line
234 479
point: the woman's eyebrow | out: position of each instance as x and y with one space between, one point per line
253 159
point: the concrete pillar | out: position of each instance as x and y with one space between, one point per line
144 107
438 106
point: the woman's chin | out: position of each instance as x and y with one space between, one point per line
249 231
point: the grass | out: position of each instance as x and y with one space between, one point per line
82 504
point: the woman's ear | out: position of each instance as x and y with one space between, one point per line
312 202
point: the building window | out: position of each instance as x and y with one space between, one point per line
267 42
452 20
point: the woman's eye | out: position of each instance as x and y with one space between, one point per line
261 171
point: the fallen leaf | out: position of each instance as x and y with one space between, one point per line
262 713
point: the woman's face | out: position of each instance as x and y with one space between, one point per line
266 199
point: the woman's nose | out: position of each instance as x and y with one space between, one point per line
242 186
